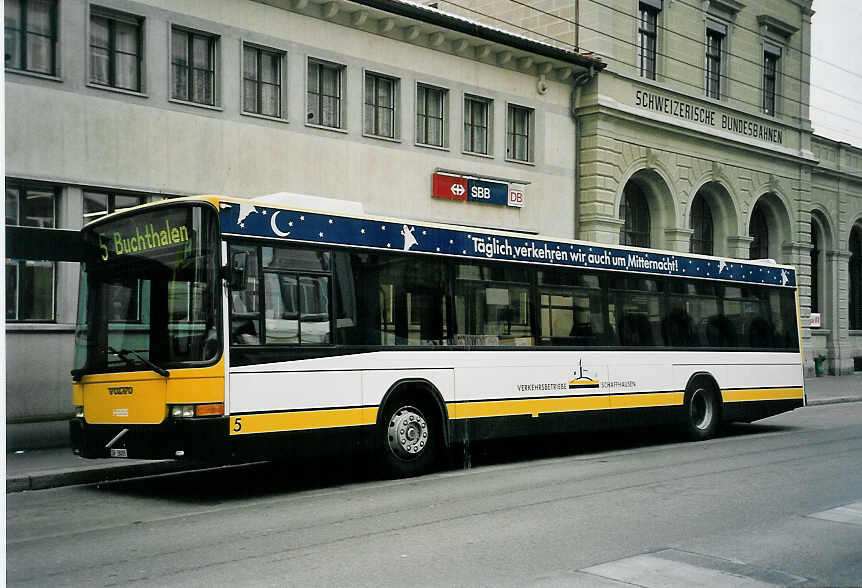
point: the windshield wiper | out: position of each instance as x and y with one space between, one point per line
124 353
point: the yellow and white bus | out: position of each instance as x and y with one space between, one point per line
223 329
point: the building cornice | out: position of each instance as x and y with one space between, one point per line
433 29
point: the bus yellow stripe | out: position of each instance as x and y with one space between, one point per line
351 417
647 400
301 420
761 394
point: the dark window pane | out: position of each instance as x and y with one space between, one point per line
12 206
270 100
180 82
40 54
11 291
127 71
245 304
292 258
38 209
95 205
36 291
39 16
634 211
99 32
249 96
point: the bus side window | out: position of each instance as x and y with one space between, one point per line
244 311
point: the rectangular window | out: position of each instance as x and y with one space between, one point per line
519 123
648 37
193 66
261 80
476 124
325 93
380 102
493 306
97 204
431 115
572 308
390 300
31 35
715 34
116 50
771 55
30 283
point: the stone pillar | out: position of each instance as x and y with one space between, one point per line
839 298
738 246
600 229
678 239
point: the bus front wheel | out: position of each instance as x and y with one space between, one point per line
410 439
702 410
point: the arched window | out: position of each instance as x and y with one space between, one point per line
635 212
757 228
815 268
856 277
701 222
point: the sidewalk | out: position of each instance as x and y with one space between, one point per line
51 468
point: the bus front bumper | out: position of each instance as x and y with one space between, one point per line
203 438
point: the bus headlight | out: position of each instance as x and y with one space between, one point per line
187 411
79 412
182 411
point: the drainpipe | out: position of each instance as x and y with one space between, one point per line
579 82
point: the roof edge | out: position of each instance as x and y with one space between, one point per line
491 34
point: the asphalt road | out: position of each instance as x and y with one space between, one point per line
776 502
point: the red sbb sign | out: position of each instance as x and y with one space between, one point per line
451 187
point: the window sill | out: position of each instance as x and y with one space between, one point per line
429 146
24 327
476 154
521 161
326 128
116 90
855 333
34 74
277 119
196 104
381 138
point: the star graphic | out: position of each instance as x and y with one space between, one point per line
242 225
302 218
330 221
321 234
362 231
264 212
290 224
389 244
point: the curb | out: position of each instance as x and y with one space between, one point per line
56 479
836 400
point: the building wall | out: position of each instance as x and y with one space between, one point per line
75 135
672 158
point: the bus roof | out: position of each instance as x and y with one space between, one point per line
263 218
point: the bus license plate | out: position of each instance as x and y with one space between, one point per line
119 453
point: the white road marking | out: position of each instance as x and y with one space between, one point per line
850 513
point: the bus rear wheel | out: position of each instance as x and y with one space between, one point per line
702 411
410 439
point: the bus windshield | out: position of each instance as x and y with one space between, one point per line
149 292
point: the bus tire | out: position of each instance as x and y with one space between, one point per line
702 410
409 437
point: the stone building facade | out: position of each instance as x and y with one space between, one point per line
697 137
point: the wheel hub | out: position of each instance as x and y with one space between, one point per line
407 433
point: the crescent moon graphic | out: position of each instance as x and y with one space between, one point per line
275 226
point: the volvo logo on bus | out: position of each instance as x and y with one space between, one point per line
120 390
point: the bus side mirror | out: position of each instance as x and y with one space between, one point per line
236 274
